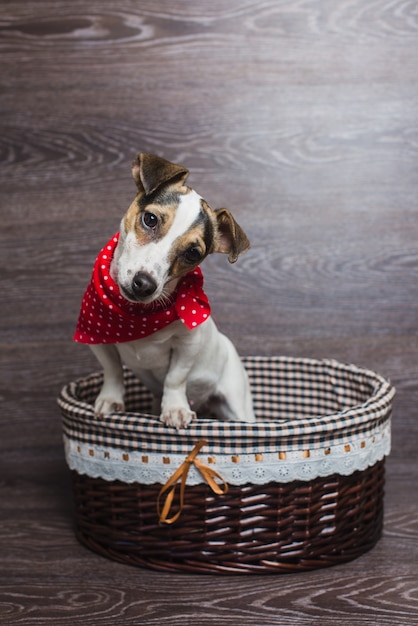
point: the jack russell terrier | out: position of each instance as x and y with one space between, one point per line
145 306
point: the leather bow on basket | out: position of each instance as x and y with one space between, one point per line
180 475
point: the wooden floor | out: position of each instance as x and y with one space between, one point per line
301 117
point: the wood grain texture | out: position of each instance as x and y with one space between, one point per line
301 117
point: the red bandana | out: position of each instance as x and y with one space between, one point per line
107 317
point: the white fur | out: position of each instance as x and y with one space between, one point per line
131 257
184 369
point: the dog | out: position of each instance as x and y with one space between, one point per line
146 308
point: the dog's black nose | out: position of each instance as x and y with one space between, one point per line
143 285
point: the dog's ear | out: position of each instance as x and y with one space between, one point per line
151 172
231 239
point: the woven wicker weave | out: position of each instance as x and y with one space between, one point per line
275 527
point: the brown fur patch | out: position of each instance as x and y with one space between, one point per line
133 222
193 238
131 215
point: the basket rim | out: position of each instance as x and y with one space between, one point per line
348 441
136 447
357 417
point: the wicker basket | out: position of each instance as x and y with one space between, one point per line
300 489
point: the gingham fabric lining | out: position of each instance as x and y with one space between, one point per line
301 404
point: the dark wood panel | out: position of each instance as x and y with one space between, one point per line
302 118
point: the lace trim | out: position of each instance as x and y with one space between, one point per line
283 467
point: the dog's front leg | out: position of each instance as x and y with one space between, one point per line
175 409
111 396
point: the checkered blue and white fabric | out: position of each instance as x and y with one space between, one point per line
314 418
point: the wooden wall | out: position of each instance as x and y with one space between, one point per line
301 117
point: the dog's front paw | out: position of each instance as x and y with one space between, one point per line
105 405
177 417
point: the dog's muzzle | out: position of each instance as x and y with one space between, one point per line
143 285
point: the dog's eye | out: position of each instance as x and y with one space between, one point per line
192 255
149 219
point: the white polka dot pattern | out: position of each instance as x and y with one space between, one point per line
107 317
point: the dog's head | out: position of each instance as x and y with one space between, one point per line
167 231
